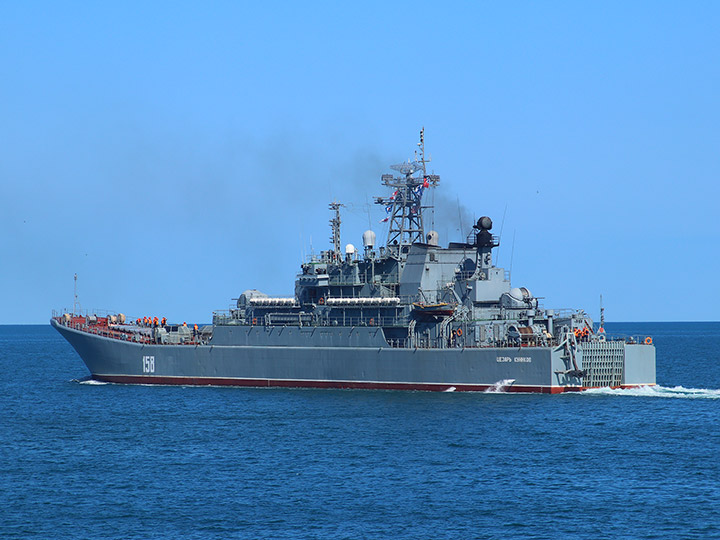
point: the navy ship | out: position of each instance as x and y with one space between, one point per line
406 315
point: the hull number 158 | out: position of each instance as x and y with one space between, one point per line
148 364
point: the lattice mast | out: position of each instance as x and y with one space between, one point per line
335 226
405 206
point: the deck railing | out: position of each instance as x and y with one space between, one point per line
147 335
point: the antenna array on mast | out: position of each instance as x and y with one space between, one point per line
405 206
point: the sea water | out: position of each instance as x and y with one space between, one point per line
80 459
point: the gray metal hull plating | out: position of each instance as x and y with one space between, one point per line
244 356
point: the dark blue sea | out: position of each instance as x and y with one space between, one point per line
81 460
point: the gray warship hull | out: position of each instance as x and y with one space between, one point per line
367 362
407 315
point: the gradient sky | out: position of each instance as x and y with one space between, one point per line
174 154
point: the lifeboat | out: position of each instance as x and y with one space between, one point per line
441 309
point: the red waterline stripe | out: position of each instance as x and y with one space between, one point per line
217 381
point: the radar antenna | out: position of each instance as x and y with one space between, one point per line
405 206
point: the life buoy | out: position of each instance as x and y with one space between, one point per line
648 340
321 301
254 321
459 331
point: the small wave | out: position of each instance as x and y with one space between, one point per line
500 386
451 389
657 391
89 381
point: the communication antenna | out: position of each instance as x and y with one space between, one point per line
432 210
502 225
76 304
462 233
512 253
602 316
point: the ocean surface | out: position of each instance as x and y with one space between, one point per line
80 459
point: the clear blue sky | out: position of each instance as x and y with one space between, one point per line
174 154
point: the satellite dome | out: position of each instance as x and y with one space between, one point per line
368 239
516 293
349 249
484 223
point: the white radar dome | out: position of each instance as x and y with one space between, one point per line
516 293
349 249
368 239
433 238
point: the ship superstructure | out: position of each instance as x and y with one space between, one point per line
410 314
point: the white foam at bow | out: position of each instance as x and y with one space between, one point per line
500 386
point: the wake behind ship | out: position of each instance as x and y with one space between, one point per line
408 315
